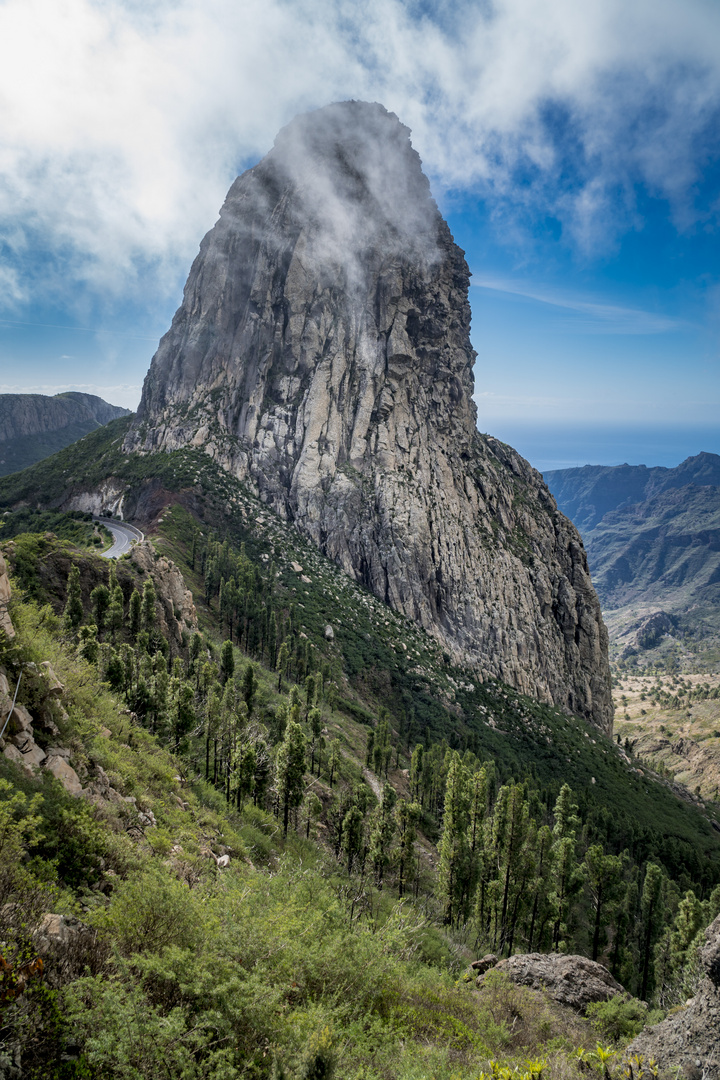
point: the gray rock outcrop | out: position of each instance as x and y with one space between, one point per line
5 620
570 980
687 1044
322 355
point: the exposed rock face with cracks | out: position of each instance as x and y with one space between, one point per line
322 355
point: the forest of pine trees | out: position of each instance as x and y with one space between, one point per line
517 868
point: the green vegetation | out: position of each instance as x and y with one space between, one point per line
77 527
305 822
279 960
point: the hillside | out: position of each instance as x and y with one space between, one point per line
653 542
33 426
387 660
281 949
586 494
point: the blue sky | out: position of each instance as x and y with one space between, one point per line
574 149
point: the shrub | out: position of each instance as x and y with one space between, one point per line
151 911
619 1018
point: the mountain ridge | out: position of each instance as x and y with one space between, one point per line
34 426
586 494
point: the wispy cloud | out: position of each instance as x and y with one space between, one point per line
123 123
12 323
592 317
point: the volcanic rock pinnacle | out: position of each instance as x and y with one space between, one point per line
322 355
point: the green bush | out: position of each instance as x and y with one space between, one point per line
619 1018
151 911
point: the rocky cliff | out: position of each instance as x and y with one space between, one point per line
33 426
322 354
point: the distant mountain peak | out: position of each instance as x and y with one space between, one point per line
33 426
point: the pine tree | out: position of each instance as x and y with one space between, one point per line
453 847
604 878
540 908
227 661
407 815
352 835
100 599
249 688
370 749
88 643
333 760
315 720
567 876
290 771
73 613
116 612
510 833
148 605
651 911
382 830
310 694
313 810
416 773
135 613
281 664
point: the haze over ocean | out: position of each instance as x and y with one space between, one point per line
549 448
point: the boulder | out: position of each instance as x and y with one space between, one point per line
13 754
64 772
5 697
56 932
21 722
484 963
688 1042
67 946
24 751
52 684
710 952
570 980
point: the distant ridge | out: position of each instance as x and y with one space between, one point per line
653 541
586 494
33 426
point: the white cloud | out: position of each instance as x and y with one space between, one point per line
123 124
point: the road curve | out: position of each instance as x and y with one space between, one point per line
124 536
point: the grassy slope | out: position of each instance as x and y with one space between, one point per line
673 722
387 659
266 958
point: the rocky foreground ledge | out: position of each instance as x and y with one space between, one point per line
688 1042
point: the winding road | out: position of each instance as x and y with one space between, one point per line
124 537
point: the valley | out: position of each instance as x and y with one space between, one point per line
673 723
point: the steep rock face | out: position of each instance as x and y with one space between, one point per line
322 354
